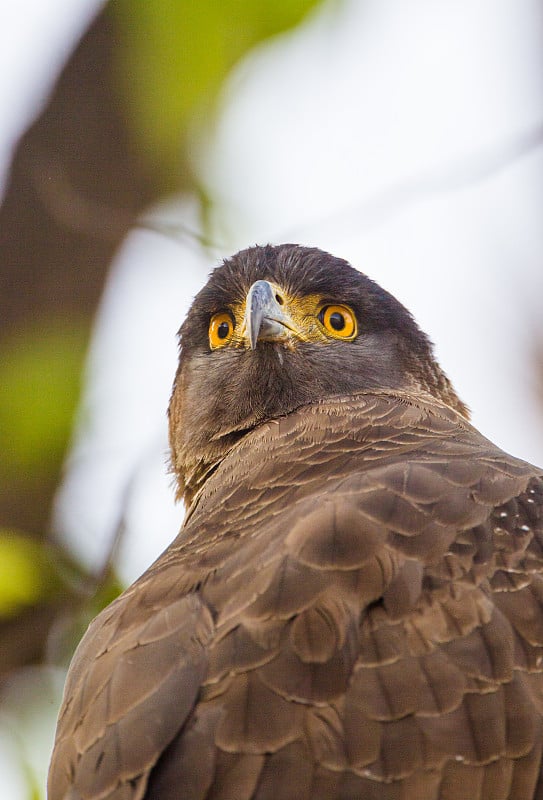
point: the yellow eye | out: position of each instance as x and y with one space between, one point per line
338 321
221 329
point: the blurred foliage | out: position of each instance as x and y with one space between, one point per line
174 56
40 375
169 59
167 62
36 572
113 137
89 595
27 572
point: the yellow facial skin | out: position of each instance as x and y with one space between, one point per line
303 319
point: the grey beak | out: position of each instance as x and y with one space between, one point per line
264 317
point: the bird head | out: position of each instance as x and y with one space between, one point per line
276 328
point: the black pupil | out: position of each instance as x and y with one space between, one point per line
337 321
223 330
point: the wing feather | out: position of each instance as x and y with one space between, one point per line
353 609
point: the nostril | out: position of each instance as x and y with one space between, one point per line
279 299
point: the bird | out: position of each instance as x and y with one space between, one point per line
353 608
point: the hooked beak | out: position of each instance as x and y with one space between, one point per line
265 317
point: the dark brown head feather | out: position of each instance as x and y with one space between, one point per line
220 394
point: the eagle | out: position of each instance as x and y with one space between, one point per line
353 608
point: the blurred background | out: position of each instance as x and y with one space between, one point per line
141 143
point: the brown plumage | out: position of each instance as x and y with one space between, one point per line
353 608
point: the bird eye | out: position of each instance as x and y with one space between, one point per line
221 328
338 321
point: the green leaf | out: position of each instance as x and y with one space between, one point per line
40 369
27 573
175 54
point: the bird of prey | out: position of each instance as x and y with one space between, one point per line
353 609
